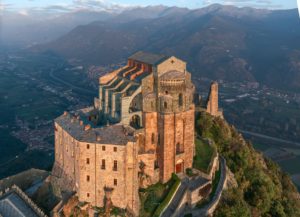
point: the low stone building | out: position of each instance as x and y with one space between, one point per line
139 131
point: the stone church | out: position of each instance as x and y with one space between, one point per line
138 132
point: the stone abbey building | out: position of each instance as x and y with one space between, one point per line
139 131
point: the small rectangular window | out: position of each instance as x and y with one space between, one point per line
153 138
115 182
87 178
103 164
88 146
87 161
115 168
115 149
103 148
88 194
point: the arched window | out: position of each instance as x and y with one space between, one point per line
179 148
180 99
165 105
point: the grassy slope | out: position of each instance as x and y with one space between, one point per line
203 156
264 190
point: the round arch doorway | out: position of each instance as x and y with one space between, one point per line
135 122
179 166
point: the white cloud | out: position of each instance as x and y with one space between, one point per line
4 6
246 3
23 12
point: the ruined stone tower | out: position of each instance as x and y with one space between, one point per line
212 106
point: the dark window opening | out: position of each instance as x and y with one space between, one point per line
165 105
180 99
115 182
115 149
88 146
156 164
87 178
152 138
88 194
103 164
115 168
87 161
179 148
103 148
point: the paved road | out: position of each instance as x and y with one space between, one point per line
268 137
83 90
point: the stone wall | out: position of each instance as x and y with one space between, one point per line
82 164
212 106
177 129
170 64
125 105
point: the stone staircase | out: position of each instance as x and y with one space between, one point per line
177 198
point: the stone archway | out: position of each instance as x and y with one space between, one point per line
135 122
179 167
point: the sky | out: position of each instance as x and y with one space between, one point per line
71 5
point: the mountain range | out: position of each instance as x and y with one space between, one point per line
219 42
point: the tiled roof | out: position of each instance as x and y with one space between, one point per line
15 203
113 134
150 58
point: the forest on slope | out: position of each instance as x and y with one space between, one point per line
263 188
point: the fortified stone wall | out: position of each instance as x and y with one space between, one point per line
65 157
177 151
83 163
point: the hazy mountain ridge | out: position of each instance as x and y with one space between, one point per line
220 42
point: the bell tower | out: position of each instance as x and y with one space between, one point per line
169 118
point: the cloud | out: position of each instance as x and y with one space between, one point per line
58 8
246 3
4 6
98 5
23 12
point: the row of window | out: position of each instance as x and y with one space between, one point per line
115 184
103 164
103 148
115 180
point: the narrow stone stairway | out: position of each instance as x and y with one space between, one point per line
177 198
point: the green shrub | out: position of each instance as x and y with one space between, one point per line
263 189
